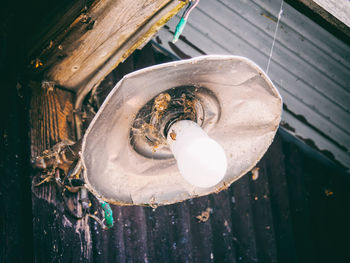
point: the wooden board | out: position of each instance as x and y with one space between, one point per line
99 39
58 237
339 9
336 13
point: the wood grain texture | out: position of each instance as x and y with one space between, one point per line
57 236
114 22
51 18
99 39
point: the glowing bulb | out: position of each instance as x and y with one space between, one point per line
201 160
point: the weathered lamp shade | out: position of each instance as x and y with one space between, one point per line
125 154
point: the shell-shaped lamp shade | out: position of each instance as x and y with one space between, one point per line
125 155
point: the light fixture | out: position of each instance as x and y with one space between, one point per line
180 130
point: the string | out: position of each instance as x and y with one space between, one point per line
275 35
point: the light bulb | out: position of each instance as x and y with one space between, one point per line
200 159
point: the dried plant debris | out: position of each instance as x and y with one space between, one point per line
161 103
36 63
204 216
62 155
151 123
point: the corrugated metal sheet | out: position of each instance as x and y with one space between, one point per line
310 67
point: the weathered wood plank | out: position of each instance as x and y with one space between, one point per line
107 25
57 236
335 13
51 18
339 9
99 39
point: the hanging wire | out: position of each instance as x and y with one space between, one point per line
192 5
274 37
181 25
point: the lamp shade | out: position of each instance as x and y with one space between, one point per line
125 154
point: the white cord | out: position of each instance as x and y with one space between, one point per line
274 37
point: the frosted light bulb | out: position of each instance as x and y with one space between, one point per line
201 160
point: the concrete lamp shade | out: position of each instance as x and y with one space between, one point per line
125 155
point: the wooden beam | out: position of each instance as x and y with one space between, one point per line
57 236
99 39
336 13
340 9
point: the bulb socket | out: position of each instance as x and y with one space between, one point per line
148 134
